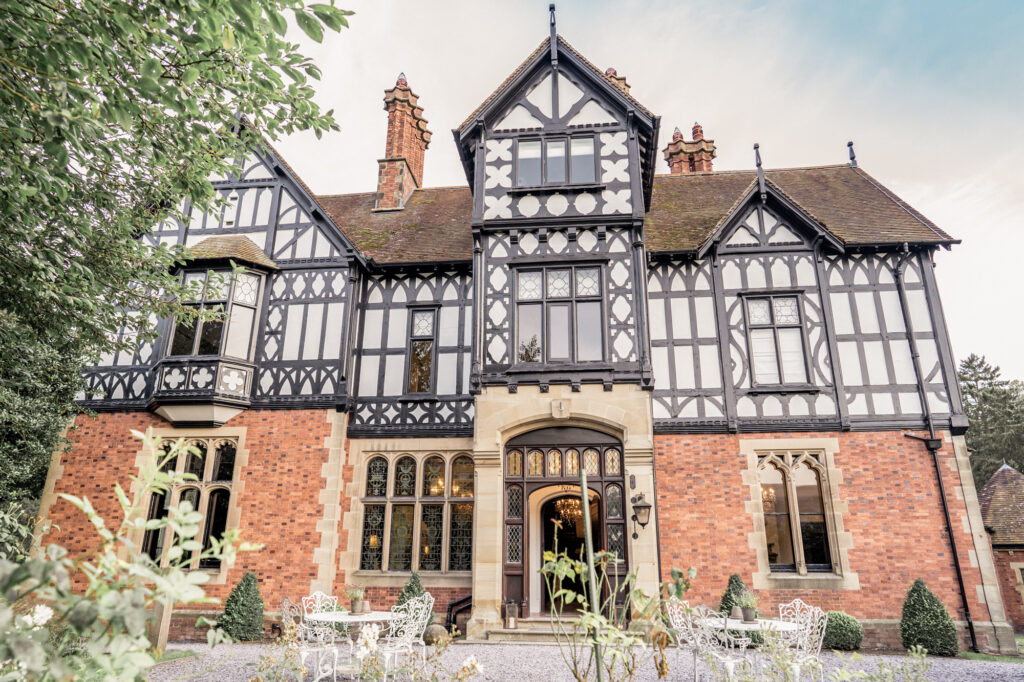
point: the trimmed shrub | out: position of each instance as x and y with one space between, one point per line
731 598
926 622
242 619
843 632
413 588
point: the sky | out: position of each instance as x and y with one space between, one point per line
930 92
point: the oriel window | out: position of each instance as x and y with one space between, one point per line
421 351
559 315
230 335
776 339
556 161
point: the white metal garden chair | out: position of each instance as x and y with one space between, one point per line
316 641
681 622
805 642
405 630
716 642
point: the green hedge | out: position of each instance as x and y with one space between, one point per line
843 632
242 619
926 622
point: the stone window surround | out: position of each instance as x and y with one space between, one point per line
1018 572
144 457
840 542
361 451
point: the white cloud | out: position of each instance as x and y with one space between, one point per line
747 73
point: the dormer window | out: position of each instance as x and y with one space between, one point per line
556 161
232 333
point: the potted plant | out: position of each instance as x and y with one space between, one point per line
355 596
747 601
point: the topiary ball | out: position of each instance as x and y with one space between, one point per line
843 632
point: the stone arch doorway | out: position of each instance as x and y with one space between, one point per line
541 467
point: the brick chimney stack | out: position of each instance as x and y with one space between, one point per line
401 169
617 80
692 156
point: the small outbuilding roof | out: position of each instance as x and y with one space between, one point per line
1002 506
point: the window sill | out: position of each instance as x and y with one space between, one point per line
808 581
551 189
562 367
400 578
784 388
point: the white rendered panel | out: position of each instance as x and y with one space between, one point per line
841 313
448 332
874 358
372 322
866 313
519 117
368 369
467 365
540 96
910 403
659 363
332 334
446 373
394 375
680 310
314 325
918 306
849 363
891 311
710 372
292 333
883 403
705 317
685 366
397 318
902 363
568 95
656 313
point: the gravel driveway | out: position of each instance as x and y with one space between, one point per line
542 662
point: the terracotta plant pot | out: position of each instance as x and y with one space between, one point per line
749 615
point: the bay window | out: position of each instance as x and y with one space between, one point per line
234 297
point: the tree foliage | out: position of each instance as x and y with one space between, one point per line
925 622
995 409
111 113
242 619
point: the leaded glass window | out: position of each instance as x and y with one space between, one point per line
536 462
612 462
207 491
405 477
515 502
614 502
559 315
462 476
592 462
796 528
373 537
460 542
514 463
572 462
554 463
421 351
400 552
514 539
377 477
615 543
776 340
234 297
433 477
431 529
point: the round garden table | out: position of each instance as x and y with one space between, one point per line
760 625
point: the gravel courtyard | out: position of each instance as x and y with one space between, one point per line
504 661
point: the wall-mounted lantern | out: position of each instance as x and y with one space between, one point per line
641 512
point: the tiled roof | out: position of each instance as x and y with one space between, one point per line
236 247
434 225
526 62
1002 506
685 212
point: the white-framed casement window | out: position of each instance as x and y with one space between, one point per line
559 315
230 335
561 160
794 506
775 336
418 514
209 492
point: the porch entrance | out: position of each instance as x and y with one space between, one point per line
541 471
568 536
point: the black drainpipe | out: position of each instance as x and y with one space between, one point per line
932 443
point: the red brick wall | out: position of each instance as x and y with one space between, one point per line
278 507
1012 599
895 517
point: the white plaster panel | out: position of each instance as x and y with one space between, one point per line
874 358
705 313
656 314
710 374
397 318
373 320
394 375
659 364
314 325
849 363
292 333
369 366
449 326
332 333
866 313
841 313
446 373
685 378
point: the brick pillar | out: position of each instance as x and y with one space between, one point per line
401 169
690 156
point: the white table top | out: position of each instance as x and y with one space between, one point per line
349 617
760 625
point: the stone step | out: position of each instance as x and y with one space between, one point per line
521 634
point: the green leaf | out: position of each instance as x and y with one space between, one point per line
190 75
309 25
331 16
227 38
277 22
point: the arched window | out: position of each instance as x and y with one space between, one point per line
554 463
377 477
433 477
405 477
224 468
390 540
216 523
796 531
462 477
195 463
514 463
153 541
614 502
536 463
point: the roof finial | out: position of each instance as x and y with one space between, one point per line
677 134
853 156
760 172
554 36
401 79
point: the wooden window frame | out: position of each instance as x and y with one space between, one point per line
746 298
228 303
546 302
413 338
567 138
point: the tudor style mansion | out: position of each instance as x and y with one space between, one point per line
412 379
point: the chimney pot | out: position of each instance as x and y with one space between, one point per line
401 170
677 134
698 132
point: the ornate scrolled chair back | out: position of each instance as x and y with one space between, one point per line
680 620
